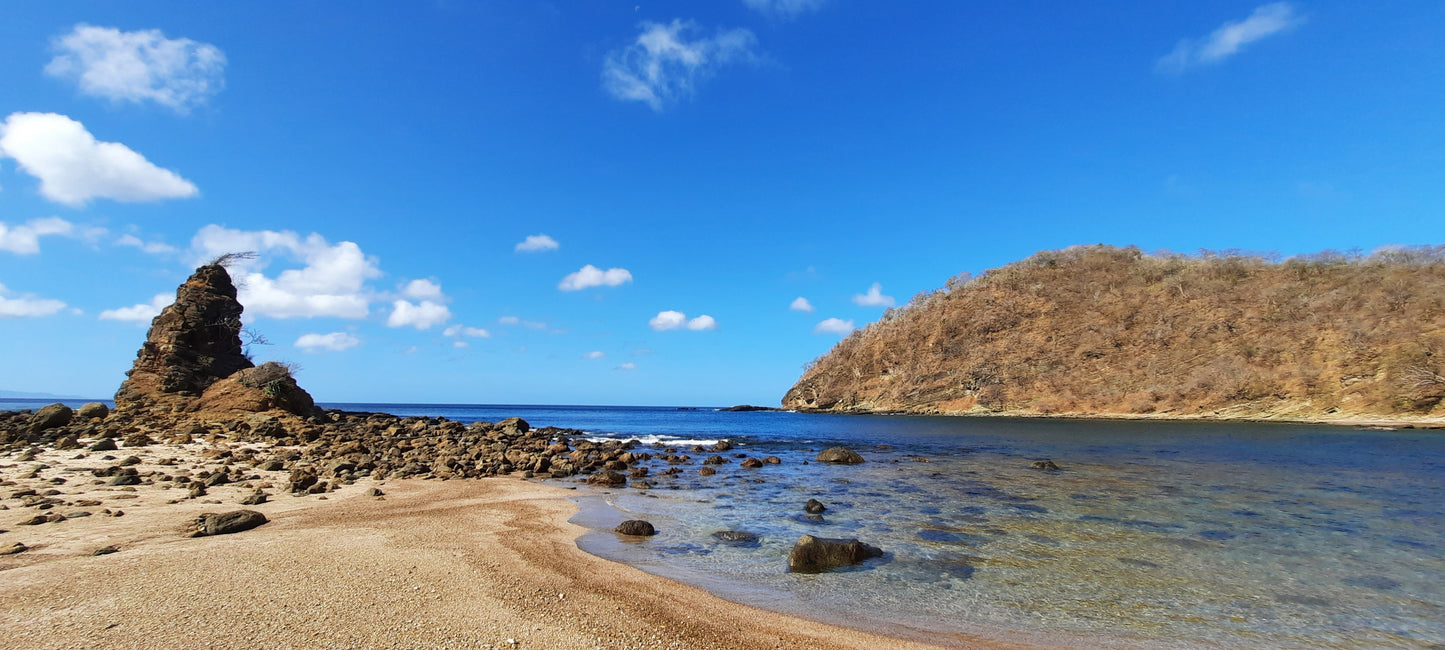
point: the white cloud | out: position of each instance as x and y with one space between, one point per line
141 313
591 276
461 344
462 330
420 315
537 244
332 282
594 355
627 366
671 320
785 9
801 304
25 239
666 62
27 306
874 297
1230 38
667 320
74 167
151 247
334 342
834 326
139 66
423 290
529 324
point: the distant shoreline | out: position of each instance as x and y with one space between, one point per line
1375 422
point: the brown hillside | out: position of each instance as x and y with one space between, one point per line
1107 331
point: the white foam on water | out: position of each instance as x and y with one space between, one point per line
671 441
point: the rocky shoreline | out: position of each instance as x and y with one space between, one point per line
194 393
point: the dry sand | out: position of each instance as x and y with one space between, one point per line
488 563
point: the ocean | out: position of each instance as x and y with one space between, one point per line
1153 534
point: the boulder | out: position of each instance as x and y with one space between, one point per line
13 549
105 444
814 506
814 554
514 426
1045 464
839 455
706 471
49 417
255 498
752 463
608 479
635 527
93 410
225 523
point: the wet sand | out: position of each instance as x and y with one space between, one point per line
489 563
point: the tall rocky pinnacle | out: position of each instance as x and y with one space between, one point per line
192 358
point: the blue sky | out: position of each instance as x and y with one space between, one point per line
695 167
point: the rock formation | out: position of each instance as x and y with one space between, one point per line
192 358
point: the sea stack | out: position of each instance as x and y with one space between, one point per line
193 360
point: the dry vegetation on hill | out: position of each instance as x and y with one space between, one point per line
1099 330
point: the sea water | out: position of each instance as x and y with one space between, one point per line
1162 534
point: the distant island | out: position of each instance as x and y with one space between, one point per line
1101 331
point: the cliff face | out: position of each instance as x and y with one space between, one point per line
1113 332
192 358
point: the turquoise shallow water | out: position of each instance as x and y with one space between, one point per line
1154 534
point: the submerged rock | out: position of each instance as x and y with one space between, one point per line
814 554
814 506
1045 464
839 455
736 537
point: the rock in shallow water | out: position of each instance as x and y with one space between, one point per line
814 554
839 455
814 506
636 527
736 537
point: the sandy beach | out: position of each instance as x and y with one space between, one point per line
488 563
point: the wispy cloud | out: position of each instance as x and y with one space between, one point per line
1230 38
74 167
801 304
140 313
537 244
462 330
24 239
140 66
784 9
591 276
333 342
834 326
627 366
874 297
594 355
665 63
26 306
150 247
